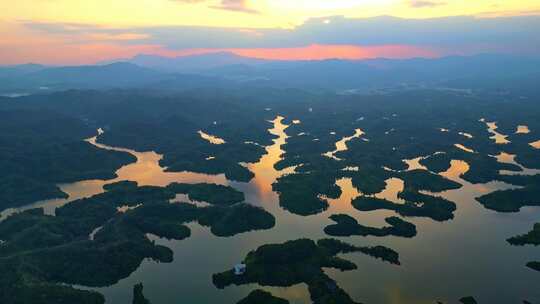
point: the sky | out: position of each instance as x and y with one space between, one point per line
71 32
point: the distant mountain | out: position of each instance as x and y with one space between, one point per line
114 75
32 78
193 63
221 70
357 74
107 76
19 70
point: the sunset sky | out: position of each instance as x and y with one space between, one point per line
81 32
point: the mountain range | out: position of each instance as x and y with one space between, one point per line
230 70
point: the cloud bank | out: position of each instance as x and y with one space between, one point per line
331 37
228 5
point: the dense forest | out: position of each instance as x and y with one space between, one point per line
43 144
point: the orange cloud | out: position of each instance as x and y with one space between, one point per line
320 52
314 52
52 52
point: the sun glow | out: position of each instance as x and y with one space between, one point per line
318 5
80 31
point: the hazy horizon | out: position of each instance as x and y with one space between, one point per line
88 33
269 152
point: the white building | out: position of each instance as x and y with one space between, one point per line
239 269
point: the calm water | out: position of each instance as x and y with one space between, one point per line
445 261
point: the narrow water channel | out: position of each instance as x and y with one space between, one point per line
445 261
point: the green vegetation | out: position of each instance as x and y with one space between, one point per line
392 133
17 289
46 250
300 193
512 200
369 181
530 238
534 265
237 219
41 251
40 149
234 172
301 261
437 163
120 186
262 297
138 296
418 180
417 204
347 226
43 131
163 219
168 124
42 145
210 193
468 300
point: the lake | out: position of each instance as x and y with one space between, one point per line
445 261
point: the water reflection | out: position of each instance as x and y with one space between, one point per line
211 138
195 258
507 158
145 171
445 261
265 173
462 147
498 137
522 129
393 187
341 145
435 264
414 164
468 135
457 169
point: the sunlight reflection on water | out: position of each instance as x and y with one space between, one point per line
445 261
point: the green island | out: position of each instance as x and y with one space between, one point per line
121 186
262 297
347 226
42 148
368 180
210 193
166 124
530 238
301 193
416 205
512 200
378 148
419 180
468 300
138 296
169 125
301 261
89 242
535 265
